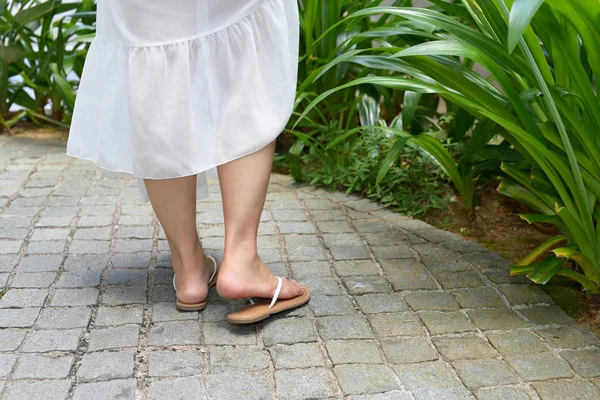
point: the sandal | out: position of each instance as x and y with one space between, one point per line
262 309
201 305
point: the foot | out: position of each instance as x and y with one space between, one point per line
239 279
192 278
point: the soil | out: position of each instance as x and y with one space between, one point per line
33 131
498 227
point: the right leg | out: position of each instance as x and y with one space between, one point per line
174 202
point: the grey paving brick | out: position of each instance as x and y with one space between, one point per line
323 286
89 262
20 298
501 318
33 279
501 276
396 324
458 348
167 311
461 279
412 281
114 338
32 366
349 253
46 247
331 305
108 316
299 355
525 294
13 233
478 298
343 327
45 263
3 279
487 260
353 352
358 285
47 222
335 227
502 393
568 337
64 318
398 251
50 234
289 215
238 385
305 383
289 331
89 246
539 367
11 339
446 322
427 375
440 301
310 269
15 222
75 297
133 245
365 378
176 389
122 389
104 366
225 359
175 333
476 374
18 318
296 227
175 363
119 295
585 362
10 246
128 277
7 263
94 221
79 279
98 233
391 395
355 267
7 362
381 303
51 340
131 260
516 343
543 315
567 389
408 350
52 390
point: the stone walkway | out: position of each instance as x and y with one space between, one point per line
400 310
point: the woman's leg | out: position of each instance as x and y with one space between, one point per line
244 188
174 202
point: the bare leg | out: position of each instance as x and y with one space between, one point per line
244 188
174 202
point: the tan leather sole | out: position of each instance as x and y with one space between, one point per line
196 306
260 309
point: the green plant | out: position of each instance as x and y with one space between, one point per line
544 60
41 43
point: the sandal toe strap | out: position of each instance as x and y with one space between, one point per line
276 295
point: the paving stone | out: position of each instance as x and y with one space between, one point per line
446 322
355 268
135 232
175 363
396 324
462 279
89 246
88 262
46 247
408 350
3 280
289 331
7 263
568 336
175 334
299 355
365 378
310 269
476 374
106 365
50 234
142 219
52 390
167 311
335 227
238 385
501 318
349 253
391 395
7 361
543 315
382 237
478 298
131 260
51 340
19 298
353 352
64 318
33 279
128 277
226 358
328 215
122 389
11 339
217 311
487 259
13 233
46 222
440 301
176 389
133 245
45 263
427 375
517 343
445 393
305 383
567 389
540 367
358 285
412 281
343 327
331 305
306 254
381 303
525 294
75 297
114 338
323 286
32 366
457 348
18 318
585 362
502 393
79 279
393 252
118 295
342 239
166 293
99 233
108 316
296 227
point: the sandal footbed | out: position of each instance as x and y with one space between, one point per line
260 309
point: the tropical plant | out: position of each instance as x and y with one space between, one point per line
543 59
41 43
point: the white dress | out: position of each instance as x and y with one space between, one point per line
172 88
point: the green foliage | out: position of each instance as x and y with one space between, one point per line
41 43
542 97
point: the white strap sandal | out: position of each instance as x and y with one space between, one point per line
201 305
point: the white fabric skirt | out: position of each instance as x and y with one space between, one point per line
175 88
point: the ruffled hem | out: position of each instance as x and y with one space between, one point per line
179 109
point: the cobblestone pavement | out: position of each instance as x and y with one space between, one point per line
400 310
